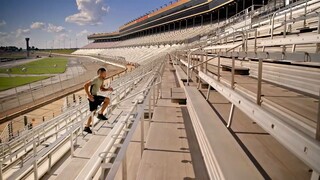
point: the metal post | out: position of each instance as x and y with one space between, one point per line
290 17
10 130
71 143
49 163
206 64
201 20
218 67
246 42
1 173
21 159
208 92
255 40
226 13
232 72
186 23
315 175
218 17
318 44
149 104
285 25
188 62
142 134
154 96
35 165
272 25
194 19
231 115
124 167
305 12
259 82
318 122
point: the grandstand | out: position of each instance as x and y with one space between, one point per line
222 90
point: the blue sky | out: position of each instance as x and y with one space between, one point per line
59 23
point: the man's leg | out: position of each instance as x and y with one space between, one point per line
87 127
104 105
90 119
93 108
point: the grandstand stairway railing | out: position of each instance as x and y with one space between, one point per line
32 149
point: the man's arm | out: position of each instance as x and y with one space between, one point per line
105 89
86 88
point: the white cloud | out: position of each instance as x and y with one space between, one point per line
83 33
3 34
15 38
90 12
62 36
22 32
61 41
55 29
37 25
2 23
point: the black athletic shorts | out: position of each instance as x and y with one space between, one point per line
98 100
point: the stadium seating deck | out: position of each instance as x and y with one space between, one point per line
258 117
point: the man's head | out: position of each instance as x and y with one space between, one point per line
102 72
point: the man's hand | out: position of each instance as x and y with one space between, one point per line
90 97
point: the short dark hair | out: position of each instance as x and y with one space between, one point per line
100 70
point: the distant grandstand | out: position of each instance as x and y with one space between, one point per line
221 90
177 22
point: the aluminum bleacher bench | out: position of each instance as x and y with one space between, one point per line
180 73
237 69
291 40
222 154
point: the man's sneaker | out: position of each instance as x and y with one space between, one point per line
102 117
88 130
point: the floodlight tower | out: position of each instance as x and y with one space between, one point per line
27 43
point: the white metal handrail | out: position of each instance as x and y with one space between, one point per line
119 127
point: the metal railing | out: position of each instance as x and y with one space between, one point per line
123 130
16 150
